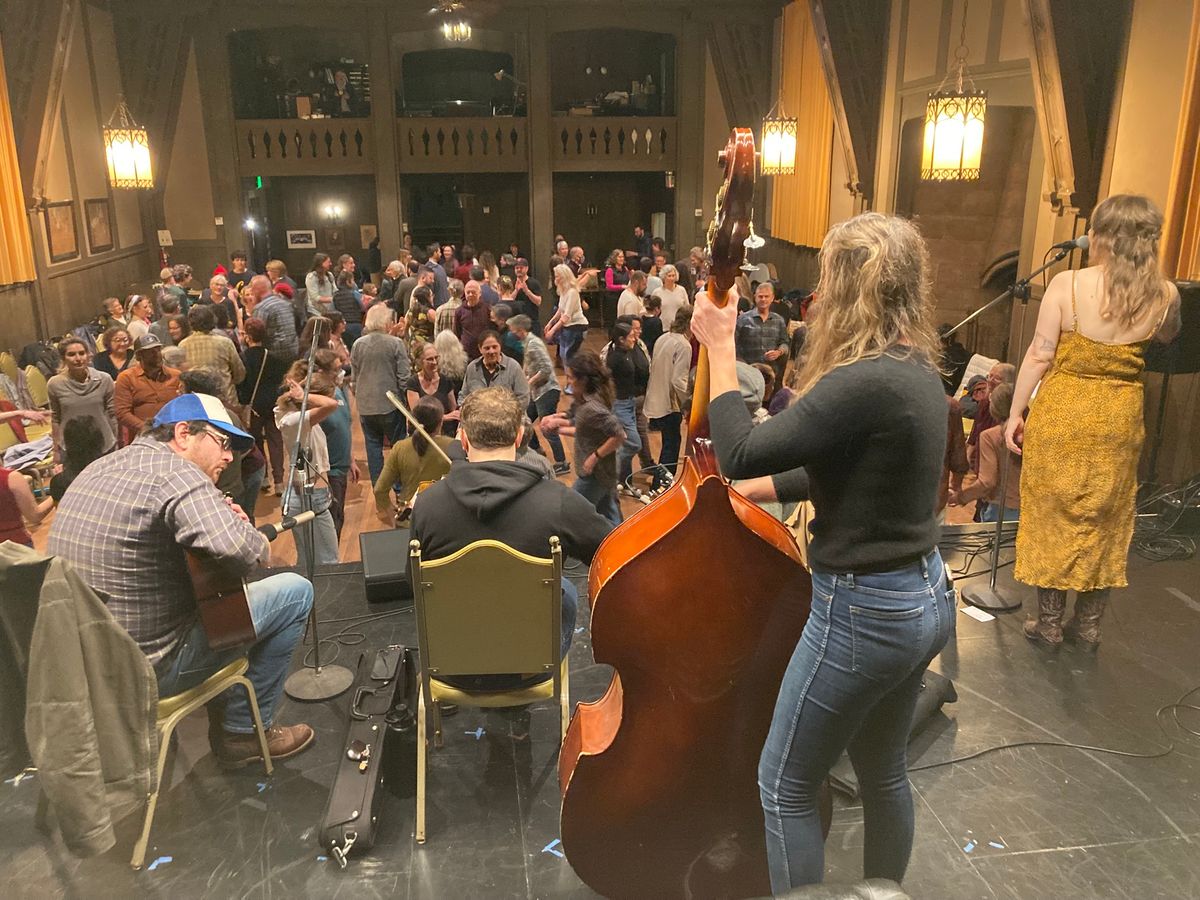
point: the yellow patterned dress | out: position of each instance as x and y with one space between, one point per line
1083 439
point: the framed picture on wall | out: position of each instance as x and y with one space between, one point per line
366 234
335 240
97 214
62 240
301 240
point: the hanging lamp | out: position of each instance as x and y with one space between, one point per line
127 151
955 118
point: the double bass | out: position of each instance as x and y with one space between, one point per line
698 602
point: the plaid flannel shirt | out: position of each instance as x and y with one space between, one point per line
124 523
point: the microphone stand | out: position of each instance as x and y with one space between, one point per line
991 598
316 682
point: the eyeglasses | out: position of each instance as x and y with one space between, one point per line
222 440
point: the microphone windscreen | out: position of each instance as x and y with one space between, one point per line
1082 242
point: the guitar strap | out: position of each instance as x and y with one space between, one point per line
257 382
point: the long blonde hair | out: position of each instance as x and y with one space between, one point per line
874 293
1126 229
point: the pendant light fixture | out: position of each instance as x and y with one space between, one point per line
955 118
777 147
127 151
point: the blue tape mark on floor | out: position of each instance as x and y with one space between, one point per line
161 861
999 845
478 732
969 846
552 848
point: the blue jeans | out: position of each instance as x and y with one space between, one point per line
324 532
601 496
668 457
570 608
378 430
251 485
626 411
279 606
570 339
852 684
546 405
991 512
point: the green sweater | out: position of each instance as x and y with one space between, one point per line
405 466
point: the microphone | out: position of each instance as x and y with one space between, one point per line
275 529
1079 243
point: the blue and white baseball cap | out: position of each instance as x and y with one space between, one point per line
204 408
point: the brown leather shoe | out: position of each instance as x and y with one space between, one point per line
238 750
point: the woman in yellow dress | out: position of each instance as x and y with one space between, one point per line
1084 436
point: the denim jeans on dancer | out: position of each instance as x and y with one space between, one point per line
377 431
601 496
625 410
546 405
325 539
852 683
668 456
279 606
570 339
251 485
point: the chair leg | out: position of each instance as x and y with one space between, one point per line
421 766
143 841
565 699
41 819
437 726
258 724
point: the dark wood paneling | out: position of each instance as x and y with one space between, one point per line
1091 37
597 211
858 41
485 209
299 203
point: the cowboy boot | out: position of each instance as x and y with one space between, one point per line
1084 627
1047 627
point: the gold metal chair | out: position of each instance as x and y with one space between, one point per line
486 610
37 387
172 710
8 365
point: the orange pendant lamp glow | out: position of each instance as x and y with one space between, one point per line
955 119
127 151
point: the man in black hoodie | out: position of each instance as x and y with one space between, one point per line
491 495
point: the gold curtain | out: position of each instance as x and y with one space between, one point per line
16 249
1181 243
800 202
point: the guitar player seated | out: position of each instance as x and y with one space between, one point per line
125 524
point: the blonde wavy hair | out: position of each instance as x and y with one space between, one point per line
874 293
1126 229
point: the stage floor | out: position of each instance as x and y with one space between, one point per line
1023 823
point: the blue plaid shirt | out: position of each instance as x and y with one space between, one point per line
123 524
755 337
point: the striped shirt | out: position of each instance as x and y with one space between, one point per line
123 524
280 318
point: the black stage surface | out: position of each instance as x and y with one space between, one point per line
1032 822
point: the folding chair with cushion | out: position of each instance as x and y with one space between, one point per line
8 365
172 710
37 387
486 610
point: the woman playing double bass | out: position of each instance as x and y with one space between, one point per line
869 427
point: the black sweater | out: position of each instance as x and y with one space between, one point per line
871 437
506 501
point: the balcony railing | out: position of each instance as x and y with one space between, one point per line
305 146
624 144
480 144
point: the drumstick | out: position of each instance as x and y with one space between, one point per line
391 395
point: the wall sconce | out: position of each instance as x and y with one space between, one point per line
669 179
127 150
250 224
333 214
456 31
